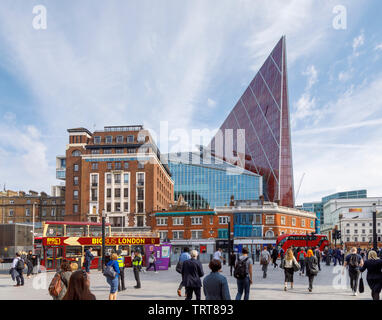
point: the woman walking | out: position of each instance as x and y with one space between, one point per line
289 264
311 264
79 287
374 274
64 276
113 282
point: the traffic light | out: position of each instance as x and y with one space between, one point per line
338 234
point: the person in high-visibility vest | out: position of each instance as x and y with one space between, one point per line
121 264
137 263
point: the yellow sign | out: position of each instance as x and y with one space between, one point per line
355 210
53 241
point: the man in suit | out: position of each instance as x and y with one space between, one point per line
192 271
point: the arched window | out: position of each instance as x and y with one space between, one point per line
76 153
269 234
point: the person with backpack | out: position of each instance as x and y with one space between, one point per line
311 264
215 285
18 264
60 282
301 260
374 273
88 259
79 287
265 258
112 269
152 262
243 274
183 257
354 262
290 265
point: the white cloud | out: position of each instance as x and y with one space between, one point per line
378 47
312 74
358 42
211 103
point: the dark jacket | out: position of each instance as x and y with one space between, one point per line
215 287
374 273
232 259
311 266
192 271
88 257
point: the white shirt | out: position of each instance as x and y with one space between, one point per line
217 255
15 262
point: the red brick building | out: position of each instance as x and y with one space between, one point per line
117 170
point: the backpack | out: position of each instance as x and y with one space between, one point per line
20 264
109 272
55 286
241 269
353 262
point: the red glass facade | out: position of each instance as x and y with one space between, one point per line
263 112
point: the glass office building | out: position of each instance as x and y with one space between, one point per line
318 207
263 112
209 183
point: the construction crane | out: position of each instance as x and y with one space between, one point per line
299 186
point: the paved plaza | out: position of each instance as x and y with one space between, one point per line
163 286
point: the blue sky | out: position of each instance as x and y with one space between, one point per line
187 62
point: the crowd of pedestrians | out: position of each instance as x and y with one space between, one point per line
69 283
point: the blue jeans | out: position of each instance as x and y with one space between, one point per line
243 285
113 284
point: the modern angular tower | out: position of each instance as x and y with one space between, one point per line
263 112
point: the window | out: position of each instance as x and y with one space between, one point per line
109 139
10 213
76 153
370 230
117 206
43 212
119 139
119 150
109 166
163 235
53 212
196 220
363 224
355 239
270 219
117 193
196 234
117 165
161 221
108 207
62 212
140 207
347 239
347 231
108 178
125 192
107 151
126 165
130 139
97 140
96 151
117 178
176 235
283 222
211 220
177 221
75 208
75 194
141 178
94 196
28 202
125 206
223 220
355 231
348 224
140 221
11 201
293 221
94 179
126 178
94 166
75 167
363 231
141 165
141 195
303 223
356 224
363 239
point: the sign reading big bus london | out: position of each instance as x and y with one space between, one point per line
95 241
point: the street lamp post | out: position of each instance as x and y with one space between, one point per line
375 245
103 238
33 213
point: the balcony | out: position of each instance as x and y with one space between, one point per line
61 173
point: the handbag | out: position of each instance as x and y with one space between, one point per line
109 272
296 266
361 287
282 264
178 267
